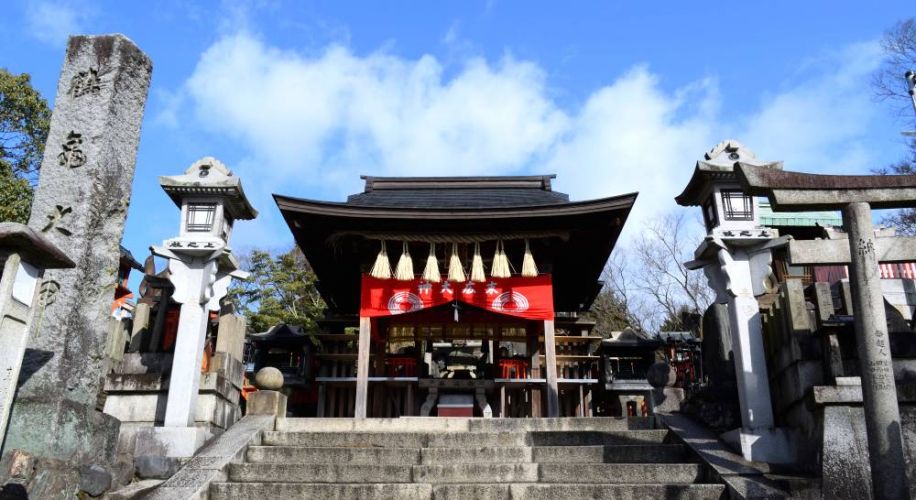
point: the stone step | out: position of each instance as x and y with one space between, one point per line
647 453
630 453
320 473
417 491
311 473
561 424
339 456
467 473
483 455
462 439
404 424
622 473
456 424
264 491
475 473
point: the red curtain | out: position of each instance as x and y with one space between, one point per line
530 298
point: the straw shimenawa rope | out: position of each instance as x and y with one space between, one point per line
477 272
500 268
404 271
382 267
529 267
431 272
455 269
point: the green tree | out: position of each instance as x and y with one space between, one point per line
281 290
24 121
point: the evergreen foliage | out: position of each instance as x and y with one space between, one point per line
24 122
281 290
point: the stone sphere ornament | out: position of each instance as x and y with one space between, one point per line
661 375
268 379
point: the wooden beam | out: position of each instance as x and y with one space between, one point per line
550 362
362 368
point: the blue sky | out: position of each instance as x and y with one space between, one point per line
300 98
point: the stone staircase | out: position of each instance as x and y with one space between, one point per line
434 458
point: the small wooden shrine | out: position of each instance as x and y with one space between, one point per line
457 295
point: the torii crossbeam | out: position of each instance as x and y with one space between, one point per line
855 196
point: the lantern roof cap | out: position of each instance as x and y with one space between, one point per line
717 167
33 246
210 177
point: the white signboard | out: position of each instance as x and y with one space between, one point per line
26 280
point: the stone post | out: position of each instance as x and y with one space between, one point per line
879 392
24 255
747 346
737 275
80 206
189 343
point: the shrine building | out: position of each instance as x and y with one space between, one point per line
457 296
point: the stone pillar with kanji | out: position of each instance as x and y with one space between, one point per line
80 207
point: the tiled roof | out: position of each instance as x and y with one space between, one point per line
457 198
814 218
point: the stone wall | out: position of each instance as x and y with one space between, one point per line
815 388
136 389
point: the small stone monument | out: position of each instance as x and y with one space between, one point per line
80 206
268 400
666 397
201 266
24 255
736 256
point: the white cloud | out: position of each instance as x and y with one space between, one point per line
820 123
631 136
51 22
307 121
338 113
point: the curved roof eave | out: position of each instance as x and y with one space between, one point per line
340 209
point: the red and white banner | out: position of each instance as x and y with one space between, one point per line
530 298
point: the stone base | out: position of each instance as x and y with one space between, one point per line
63 430
127 441
667 400
266 403
773 446
169 441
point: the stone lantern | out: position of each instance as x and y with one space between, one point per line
24 256
201 266
736 256
728 212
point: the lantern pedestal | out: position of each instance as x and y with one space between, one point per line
774 445
174 442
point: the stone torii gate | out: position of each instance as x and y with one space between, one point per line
855 196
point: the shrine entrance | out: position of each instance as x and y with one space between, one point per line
486 324
484 364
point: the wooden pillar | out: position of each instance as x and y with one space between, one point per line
550 364
362 368
533 389
322 398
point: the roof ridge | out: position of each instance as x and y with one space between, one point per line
539 182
